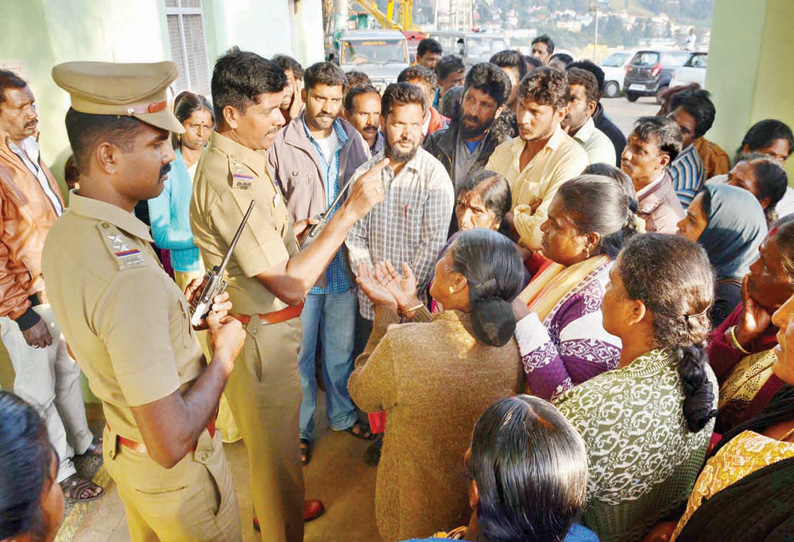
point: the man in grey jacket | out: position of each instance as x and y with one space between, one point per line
312 159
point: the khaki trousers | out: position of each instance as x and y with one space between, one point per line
193 501
49 379
264 392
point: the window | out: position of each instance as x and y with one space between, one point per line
188 46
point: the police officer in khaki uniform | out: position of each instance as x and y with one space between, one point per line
268 279
127 323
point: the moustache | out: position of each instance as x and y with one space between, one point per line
473 120
165 169
370 128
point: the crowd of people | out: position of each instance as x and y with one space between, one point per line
483 273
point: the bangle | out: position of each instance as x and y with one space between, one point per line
412 309
735 341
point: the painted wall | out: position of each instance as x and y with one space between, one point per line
751 68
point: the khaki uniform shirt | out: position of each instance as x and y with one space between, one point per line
125 320
228 178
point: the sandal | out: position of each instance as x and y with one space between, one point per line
81 489
372 455
95 448
306 451
359 430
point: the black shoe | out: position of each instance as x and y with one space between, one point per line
372 455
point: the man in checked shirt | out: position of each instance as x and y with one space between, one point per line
410 224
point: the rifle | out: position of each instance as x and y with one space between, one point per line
317 229
213 280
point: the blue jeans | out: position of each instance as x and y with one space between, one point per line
333 317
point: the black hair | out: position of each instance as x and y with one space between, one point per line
771 179
784 239
764 132
449 64
324 73
9 79
592 67
578 76
429 45
532 62
490 79
493 189
565 58
510 58
402 94
545 86
623 180
185 104
495 273
597 204
86 132
357 90
544 38
673 277
240 78
71 173
286 62
355 77
450 104
662 131
698 104
419 72
530 465
26 457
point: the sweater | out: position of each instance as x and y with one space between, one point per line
434 379
169 214
643 459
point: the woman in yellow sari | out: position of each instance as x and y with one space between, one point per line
560 335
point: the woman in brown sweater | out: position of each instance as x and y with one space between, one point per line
435 376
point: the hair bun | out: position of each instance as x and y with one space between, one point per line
493 321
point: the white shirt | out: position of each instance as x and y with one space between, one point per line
30 155
596 143
328 145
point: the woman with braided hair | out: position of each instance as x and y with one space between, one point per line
434 376
647 424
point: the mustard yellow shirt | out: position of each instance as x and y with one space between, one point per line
560 160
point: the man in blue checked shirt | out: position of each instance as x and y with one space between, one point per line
312 159
694 113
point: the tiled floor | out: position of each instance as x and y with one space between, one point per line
336 474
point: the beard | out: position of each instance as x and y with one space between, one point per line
477 129
399 156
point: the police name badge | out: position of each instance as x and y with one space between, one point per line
241 180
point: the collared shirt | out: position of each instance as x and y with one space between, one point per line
125 320
597 145
380 142
409 226
688 175
336 277
650 187
30 155
560 160
229 177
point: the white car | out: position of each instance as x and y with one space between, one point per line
693 71
614 67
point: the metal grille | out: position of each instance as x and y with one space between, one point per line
188 45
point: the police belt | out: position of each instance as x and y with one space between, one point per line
140 447
272 317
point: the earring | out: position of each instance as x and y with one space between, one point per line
451 290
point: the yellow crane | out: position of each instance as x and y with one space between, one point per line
386 20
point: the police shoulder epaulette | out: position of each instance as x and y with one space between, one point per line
121 247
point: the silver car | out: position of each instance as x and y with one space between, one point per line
381 54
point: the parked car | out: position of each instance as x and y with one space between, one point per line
651 71
614 67
381 54
472 47
693 71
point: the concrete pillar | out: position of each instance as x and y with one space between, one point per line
751 68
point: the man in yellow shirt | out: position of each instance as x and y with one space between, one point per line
543 156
